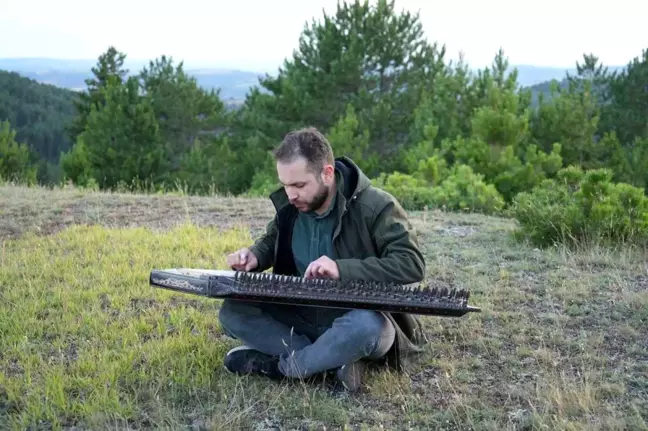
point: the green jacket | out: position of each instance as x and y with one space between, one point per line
373 241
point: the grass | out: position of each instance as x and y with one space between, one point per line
86 343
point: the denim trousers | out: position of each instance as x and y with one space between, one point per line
307 339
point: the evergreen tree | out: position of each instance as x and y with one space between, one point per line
16 162
366 56
122 139
109 67
626 114
184 111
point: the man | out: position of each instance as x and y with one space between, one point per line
330 222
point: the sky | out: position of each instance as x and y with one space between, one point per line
259 34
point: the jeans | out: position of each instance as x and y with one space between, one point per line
308 340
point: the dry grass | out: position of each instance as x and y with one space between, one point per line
85 343
44 211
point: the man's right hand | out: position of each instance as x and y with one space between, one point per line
242 260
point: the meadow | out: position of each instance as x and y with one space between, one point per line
86 343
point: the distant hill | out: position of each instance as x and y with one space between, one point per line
37 95
71 74
38 112
529 76
234 83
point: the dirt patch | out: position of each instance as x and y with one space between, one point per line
455 230
34 210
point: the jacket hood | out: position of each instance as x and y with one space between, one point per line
354 179
353 182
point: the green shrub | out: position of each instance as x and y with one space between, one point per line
580 206
262 185
433 169
15 158
76 165
412 192
462 190
466 190
510 169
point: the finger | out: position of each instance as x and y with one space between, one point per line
251 264
319 271
326 272
234 261
310 271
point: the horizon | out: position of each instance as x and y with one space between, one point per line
60 32
130 62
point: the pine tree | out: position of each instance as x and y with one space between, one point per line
109 67
366 56
184 111
16 161
122 138
627 111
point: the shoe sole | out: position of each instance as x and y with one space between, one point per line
355 375
235 349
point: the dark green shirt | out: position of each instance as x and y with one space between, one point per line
312 236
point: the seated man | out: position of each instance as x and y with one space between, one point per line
330 222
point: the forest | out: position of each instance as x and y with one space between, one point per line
567 164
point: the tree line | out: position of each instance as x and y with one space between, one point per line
428 130
36 115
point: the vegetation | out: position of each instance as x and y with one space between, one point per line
429 130
85 343
537 204
38 115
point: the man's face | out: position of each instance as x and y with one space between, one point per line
306 190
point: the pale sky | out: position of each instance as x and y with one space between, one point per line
258 35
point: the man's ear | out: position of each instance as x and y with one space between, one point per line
328 173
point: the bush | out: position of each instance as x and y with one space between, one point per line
462 189
580 206
264 181
412 192
466 190
15 158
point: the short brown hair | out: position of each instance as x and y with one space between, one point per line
308 143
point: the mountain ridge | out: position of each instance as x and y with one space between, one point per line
234 83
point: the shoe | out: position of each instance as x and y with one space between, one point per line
245 360
350 375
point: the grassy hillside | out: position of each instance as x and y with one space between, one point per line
86 343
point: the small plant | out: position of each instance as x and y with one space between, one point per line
466 190
412 192
462 189
580 206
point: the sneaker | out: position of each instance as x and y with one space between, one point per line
245 360
350 375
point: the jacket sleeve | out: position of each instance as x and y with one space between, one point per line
263 247
398 259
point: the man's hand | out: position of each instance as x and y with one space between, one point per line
323 267
242 260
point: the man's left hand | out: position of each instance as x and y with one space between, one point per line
323 267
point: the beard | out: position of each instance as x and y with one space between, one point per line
318 200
